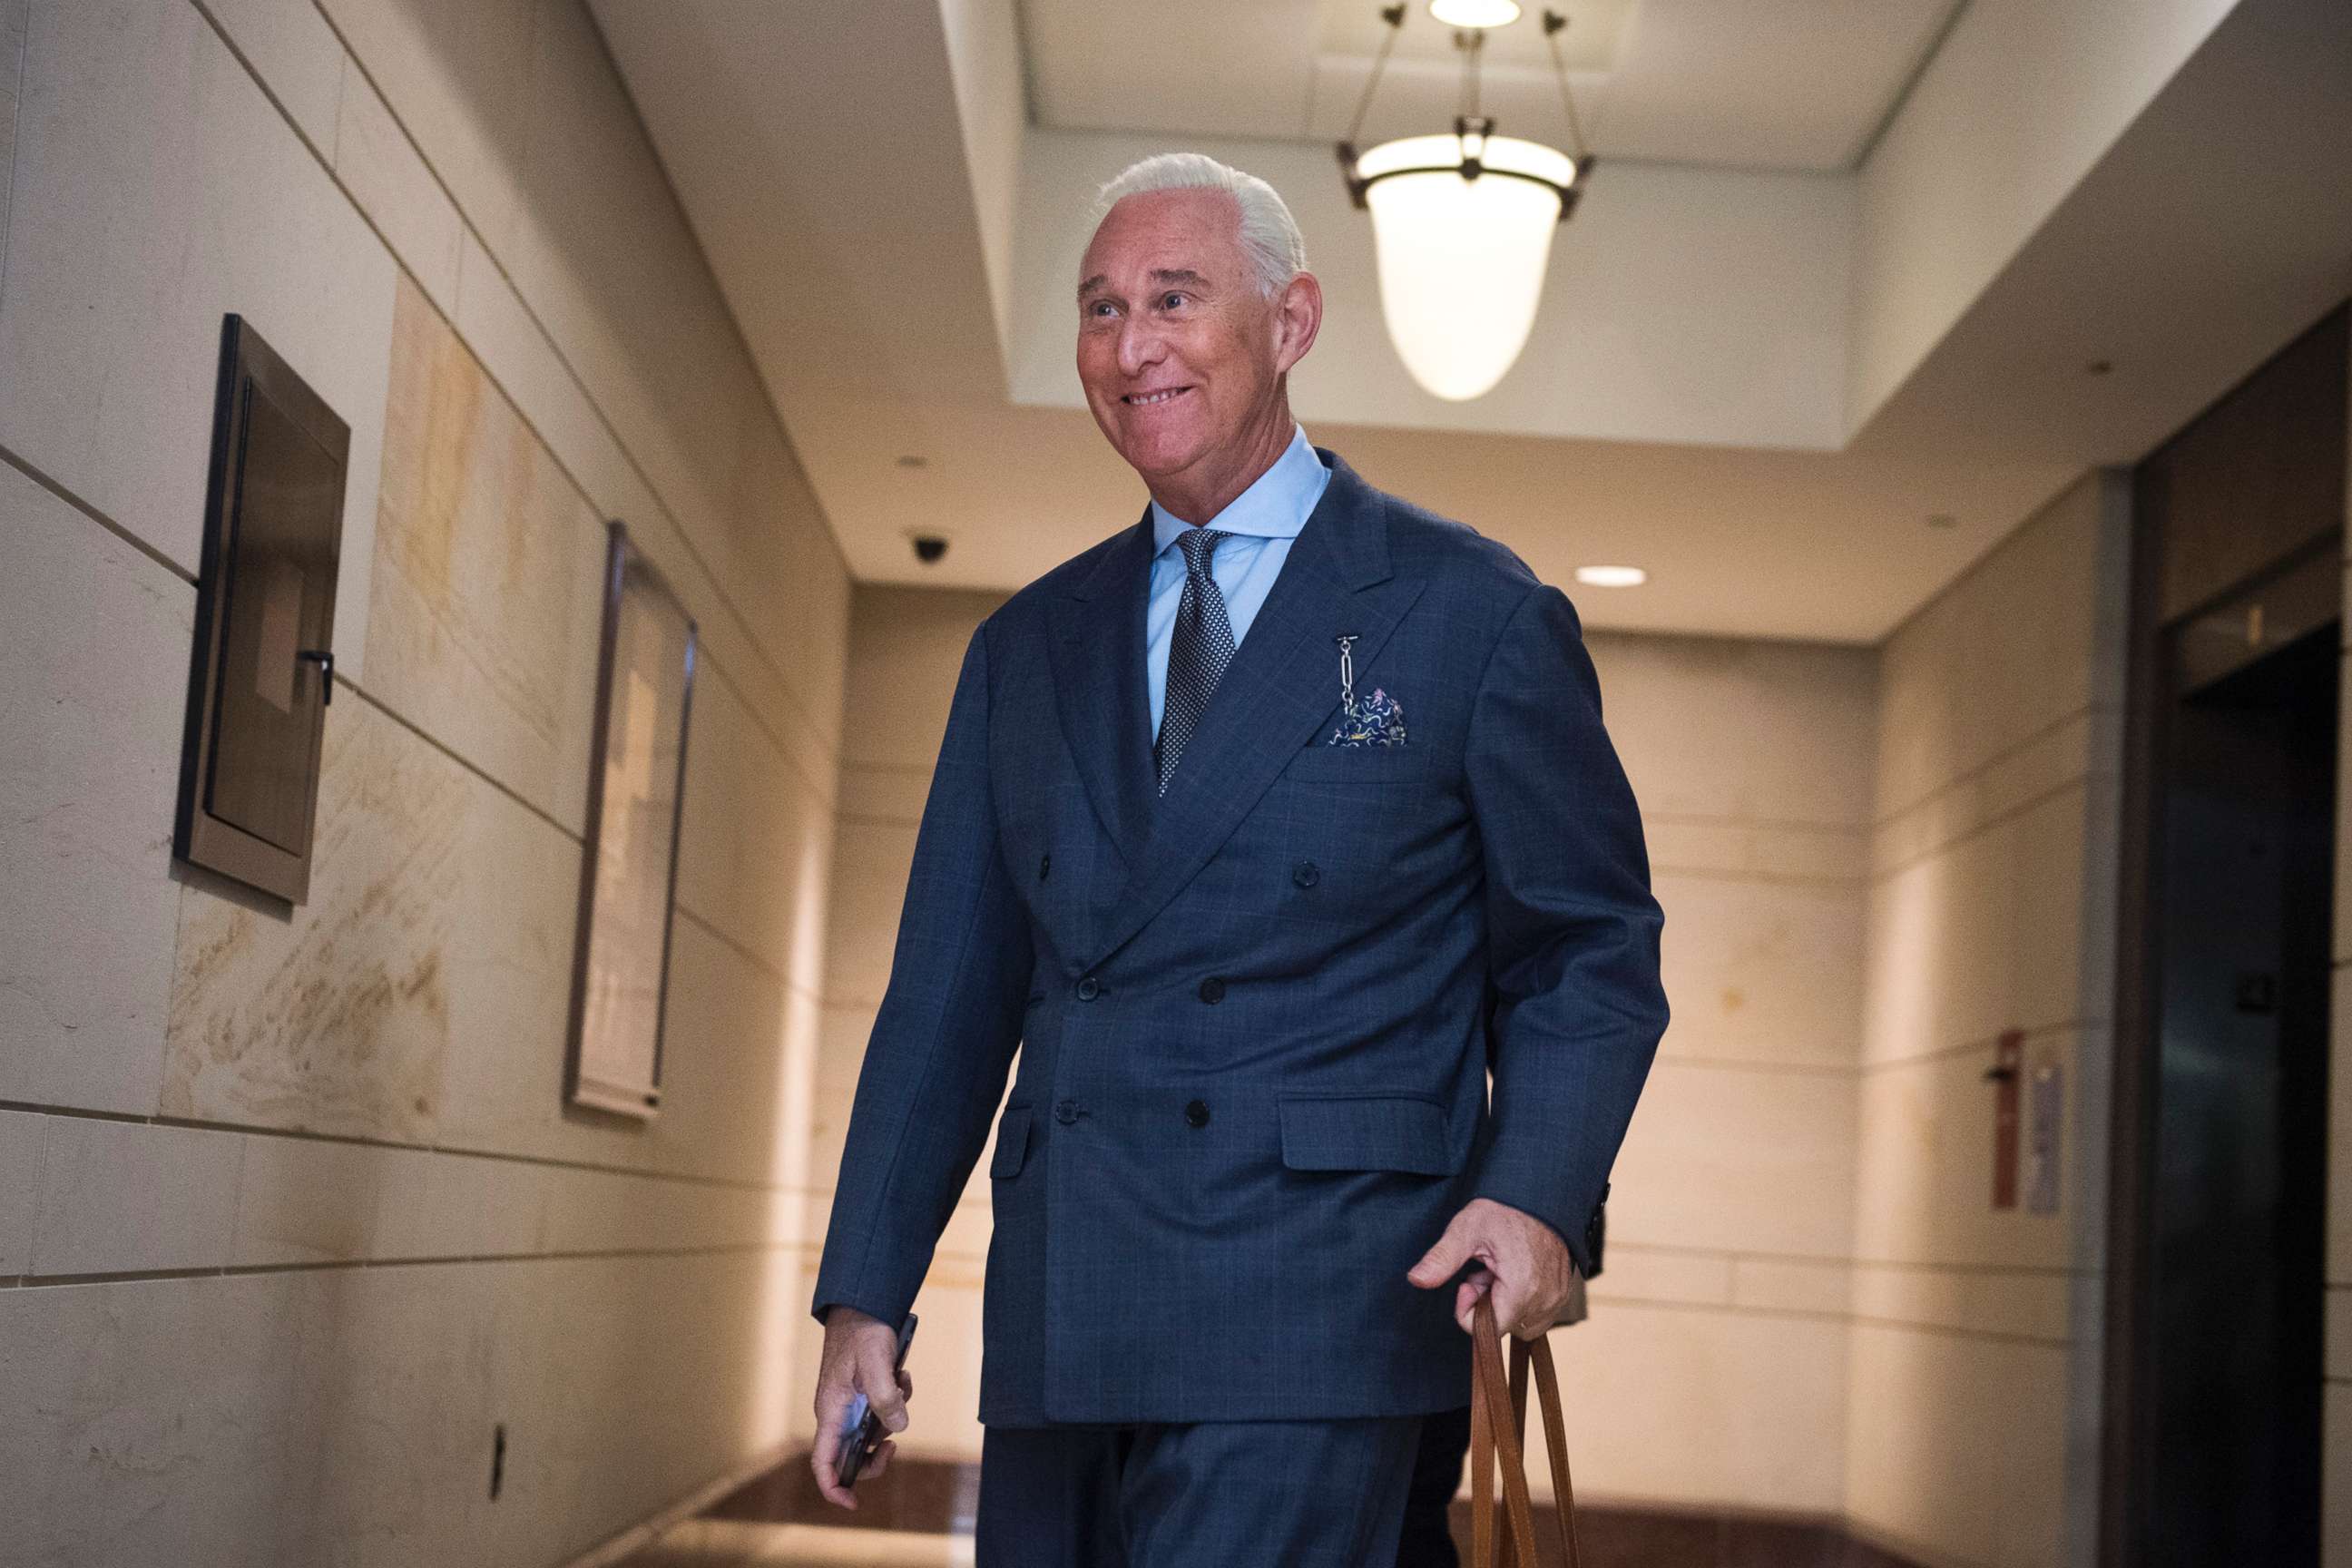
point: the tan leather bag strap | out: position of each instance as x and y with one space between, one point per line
1494 1436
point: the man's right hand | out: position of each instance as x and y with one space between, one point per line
859 1353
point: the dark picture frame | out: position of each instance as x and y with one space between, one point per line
262 671
636 802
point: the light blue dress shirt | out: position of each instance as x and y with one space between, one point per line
1263 519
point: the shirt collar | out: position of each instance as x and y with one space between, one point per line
1275 505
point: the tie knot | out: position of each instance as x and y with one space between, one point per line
1196 543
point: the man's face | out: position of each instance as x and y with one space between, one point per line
1179 352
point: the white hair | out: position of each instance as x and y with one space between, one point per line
1269 235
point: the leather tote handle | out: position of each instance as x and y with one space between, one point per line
1493 1434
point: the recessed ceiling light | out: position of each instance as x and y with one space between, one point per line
2100 367
1942 520
1612 577
1474 13
912 461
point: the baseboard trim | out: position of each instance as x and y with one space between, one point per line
615 1549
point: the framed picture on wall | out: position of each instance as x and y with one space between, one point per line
628 882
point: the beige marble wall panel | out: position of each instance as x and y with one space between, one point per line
748 829
2006 1301
778 544
1775 851
1986 936
94 640
295 52
122 1197
1738 1160
392 184
95 1468
791 1167
2338 1363
488 575
1703 1407
906 646
727 1096
156 189
308 1201
1790 1285
1650 1275
458 75
841 1052
604 254
1745 731
13 17
885 793
722 1061
2010 650
440 910
1923 1177
1763 972
1983 1482
344 1415
20 1176
871 860
501 333
2088 743
399 1417
606 1347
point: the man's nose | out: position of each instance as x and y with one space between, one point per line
1138 347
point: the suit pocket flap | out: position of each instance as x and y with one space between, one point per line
1365 1132
1012 1141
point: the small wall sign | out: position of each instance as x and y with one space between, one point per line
263 671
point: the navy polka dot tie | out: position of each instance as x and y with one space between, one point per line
1198 652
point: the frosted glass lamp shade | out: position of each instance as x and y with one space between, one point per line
1462 260
1475 13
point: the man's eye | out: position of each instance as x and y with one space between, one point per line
1100 308
1170 301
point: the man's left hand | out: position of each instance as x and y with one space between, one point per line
1524 1267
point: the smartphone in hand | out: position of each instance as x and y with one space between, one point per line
861 1429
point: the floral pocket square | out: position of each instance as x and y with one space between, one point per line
1374 720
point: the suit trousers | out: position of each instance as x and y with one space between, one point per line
1198 1494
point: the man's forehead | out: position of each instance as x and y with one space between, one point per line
1150 238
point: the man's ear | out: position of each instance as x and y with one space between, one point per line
1297 317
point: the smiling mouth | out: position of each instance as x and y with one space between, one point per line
1154 399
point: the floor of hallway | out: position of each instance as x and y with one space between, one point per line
919 1516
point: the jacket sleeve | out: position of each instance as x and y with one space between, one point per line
1571 927
943 1040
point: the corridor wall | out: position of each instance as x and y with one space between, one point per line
1973 1401
292 1226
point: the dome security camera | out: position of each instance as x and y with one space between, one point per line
929 547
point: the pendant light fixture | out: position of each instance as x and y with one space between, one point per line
1461 223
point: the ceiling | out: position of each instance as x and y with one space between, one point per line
1768 84
896 235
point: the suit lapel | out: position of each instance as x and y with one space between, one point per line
1098 686
1277 694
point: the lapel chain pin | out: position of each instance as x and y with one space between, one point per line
1378 720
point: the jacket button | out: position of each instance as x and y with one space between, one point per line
1045 866
1212 989
1197 1114
1066 1112
1305 874
1089 988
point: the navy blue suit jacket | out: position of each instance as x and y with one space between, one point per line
1255 1013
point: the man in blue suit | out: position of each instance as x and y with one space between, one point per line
1256 827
